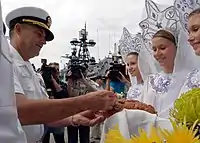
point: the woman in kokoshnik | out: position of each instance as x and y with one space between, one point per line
135 90
134 54
193 78
162 89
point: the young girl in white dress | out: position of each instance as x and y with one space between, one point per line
135 90
134 54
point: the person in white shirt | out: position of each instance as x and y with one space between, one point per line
162 89
29 31
193 79
139 62
10 127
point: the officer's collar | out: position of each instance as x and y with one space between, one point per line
16 56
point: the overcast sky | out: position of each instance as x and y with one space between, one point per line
105 20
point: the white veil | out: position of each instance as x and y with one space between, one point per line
167 17
128 43
184 7
134 43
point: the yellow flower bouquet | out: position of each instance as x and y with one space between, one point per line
187 106
184 118
180 134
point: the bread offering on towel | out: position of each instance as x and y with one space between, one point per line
119 106
129 104
134 104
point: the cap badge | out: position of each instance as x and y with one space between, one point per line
48 21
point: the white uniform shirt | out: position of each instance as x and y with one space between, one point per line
30 84
10 127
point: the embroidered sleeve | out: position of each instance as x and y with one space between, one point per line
160 83
193 79
133 93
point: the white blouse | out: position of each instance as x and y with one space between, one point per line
161 90
135 91
192 81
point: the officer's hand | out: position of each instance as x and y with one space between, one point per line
87 118
101 100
